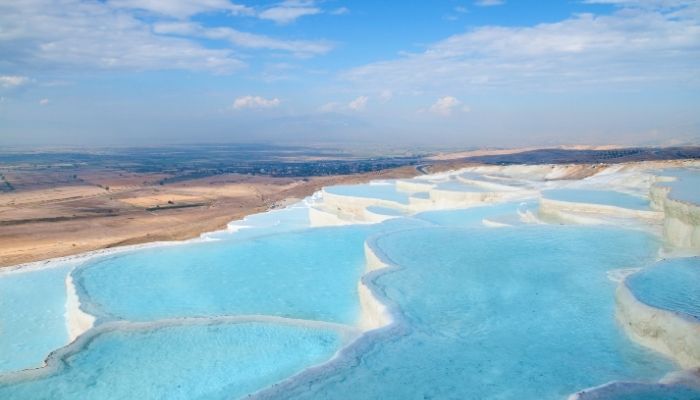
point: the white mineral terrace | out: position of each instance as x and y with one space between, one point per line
664 331
677 222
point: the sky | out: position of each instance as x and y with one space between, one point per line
452 73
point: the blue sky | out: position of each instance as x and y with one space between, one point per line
402 74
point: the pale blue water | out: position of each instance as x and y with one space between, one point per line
421 195
381 191
604 197
457 186
511 313
219 361
385 211
499 179
32 322
272 222
671 285
309 274
685 187
473 217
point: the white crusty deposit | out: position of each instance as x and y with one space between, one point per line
374 313
77 320
587 212
681 224
667 332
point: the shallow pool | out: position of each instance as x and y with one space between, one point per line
211 361
309 274
524 312
392 212
377 191
603 197
672 285
685 187
456 186
32 322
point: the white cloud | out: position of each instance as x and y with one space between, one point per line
43 102
243 39
629 45
92 34
255 102
489 3
114 34
358 104
445 106
288 11
8 81
183 8
330 107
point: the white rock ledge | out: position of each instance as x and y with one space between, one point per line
681 224
77 320
554 207
664 331
375 314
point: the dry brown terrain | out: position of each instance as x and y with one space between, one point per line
49 211
53 218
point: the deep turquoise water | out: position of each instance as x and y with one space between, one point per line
604 197
219 361
507 313
308 274
671 285
32 322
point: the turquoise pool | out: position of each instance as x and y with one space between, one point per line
309 274
685 187
456 186
511 313
672 285
603 197
379 191
392 212
213 361
32 321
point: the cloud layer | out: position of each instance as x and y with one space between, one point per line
255 102
289 11
139 35
638 43
445 106
9 81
